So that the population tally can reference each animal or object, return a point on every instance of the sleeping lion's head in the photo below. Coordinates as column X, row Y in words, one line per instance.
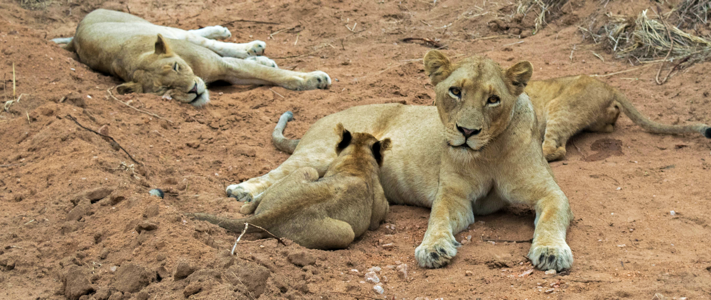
column 165, row 73
column 475, row 97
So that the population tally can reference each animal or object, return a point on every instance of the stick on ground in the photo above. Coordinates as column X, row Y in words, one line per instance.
column 137, row 109
column 113, row 142
column 246, row 225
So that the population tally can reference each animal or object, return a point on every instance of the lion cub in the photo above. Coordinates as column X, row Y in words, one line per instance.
column 328, row 212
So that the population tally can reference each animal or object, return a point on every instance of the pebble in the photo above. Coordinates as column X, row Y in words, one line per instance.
column 673, row 213
column 469, row 273
column 375, row 269
column 371, row 277
column 551, row 272
column 157, row 192
column 402, row 271
column 378, row 289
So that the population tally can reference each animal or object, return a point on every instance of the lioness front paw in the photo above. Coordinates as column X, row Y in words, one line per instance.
column 256, row 48
column 263, row 60
column 547, row 257
column 310, row 81
column 437, row 254
column 238, row 192
column 218, row 32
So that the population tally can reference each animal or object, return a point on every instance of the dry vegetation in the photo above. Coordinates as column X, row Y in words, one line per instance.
column 542, row 9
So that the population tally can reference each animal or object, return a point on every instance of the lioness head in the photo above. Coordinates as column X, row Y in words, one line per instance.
column 165, row 73
column 359, row 144
column 475, row 97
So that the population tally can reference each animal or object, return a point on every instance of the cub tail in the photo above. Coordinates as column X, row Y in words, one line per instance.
column 655, row 127
column 278, row 139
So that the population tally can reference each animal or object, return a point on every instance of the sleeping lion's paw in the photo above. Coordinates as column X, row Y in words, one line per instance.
column 263, row 60
column 256, row 48
column 556, row 255
column 309, row 81
column 436, row 254
column 238, row 192
column 218, row 33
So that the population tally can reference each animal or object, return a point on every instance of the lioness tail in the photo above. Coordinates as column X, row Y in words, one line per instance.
column 655, row 127
column 278, row 139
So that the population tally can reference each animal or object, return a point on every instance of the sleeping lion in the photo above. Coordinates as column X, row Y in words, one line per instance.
column 176, row 63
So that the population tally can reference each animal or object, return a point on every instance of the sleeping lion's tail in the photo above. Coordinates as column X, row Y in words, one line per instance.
column 278, row 139
column 68, row 43
column 655, row 127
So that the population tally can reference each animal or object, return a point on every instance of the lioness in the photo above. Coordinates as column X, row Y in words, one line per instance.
column 475, row 152
column 567, row 105
column 173, row 62
column 326, row 213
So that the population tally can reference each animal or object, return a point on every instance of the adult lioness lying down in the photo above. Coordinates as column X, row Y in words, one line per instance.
column 173, row 62
column 475, row 152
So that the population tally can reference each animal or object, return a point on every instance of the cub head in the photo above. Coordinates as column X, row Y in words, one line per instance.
column 475, row 98
column 358, row 145
column 165, row 73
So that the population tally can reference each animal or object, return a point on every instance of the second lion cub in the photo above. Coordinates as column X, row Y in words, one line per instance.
column 325, row 213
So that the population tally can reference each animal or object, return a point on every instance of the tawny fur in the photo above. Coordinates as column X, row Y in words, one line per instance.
column 568, row 105
column 326, row 213
column 432, row 164
column 173, row 62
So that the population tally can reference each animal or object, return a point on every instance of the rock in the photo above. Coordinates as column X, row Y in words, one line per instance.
column 157, row 192
column 151, row 211
column 131, row 278
column 183, row 270
column 468, row 273
column 82, row 209
column 371, row 277
column 378, row 289
column 192, row 289
column 76, row 283
column 116, row 199
column 550, row 272
column 375, row 269
column 252, row 275
column 146, row 226
column 98, row 193
column 402, row 271
column 301, row 258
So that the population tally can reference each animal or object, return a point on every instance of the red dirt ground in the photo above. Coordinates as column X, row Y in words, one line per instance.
column 77, row 218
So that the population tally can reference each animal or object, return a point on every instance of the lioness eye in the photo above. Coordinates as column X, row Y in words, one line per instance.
column 455, row 91
column 493, row 99
column 176, row 67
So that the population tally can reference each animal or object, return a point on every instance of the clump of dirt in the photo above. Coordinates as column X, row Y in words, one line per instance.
column 78, row 220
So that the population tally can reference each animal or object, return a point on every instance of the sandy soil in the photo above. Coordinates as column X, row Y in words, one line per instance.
column 77, row 218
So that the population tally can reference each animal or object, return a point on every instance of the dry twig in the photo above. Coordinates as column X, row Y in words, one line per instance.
column 431, row 42
column 507, row 241
column 250, row 21
column 136, row 109
column 112, row 140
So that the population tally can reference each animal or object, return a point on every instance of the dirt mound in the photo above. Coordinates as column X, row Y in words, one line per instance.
column 78, row 220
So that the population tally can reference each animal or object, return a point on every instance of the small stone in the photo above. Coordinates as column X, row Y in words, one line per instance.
column 98, row 193
column 131, row 278
column 301, row 258
column 378, row 289
column 551, row 272
column 402, row 271
column 673, row 213
column 192, row 289
column 469, row 273
column 82, row 209
column 76, row 283
column 160, row 257
column 371, row 277
column 157, row 192
column 548, row 291
column 388, row 246
column 375, row 269
column 146, row 226
column 184, row 269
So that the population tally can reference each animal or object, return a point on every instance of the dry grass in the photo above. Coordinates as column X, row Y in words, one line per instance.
column 542, row 8
column 692, row 14
column 35, row 4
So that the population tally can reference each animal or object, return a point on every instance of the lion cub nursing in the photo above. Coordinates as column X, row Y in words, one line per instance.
column 325, row 213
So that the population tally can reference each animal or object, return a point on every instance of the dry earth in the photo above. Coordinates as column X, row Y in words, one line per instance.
column 77, row 218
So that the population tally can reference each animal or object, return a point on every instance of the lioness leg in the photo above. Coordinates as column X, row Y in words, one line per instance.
column 216, row 32
column 326, row 233
column 224, row 49
column 240, row 71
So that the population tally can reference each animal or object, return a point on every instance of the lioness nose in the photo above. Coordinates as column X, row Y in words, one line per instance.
column 468, row 132
column 194, row 90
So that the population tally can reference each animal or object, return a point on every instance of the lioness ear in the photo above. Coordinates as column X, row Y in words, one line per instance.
column 437, row 66
column 162, row 46
column 129, row 87
column 518, row 76
column 344, row 140
column 379, row 149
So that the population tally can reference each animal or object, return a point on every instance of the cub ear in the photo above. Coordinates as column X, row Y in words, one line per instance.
column 129, row 87
column 379, row 149
column 162, row 46
column 437, row 66
column 517, row 77
column 344, row 138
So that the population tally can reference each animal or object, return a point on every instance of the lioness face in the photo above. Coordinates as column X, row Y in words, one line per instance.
column 167, row 74
column 475, row 98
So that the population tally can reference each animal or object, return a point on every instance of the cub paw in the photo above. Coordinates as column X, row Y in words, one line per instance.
column 256, row 48
column 552, row 153
column 263, row 60
column 437, row 254
column 546, row 257
column 239, row 193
